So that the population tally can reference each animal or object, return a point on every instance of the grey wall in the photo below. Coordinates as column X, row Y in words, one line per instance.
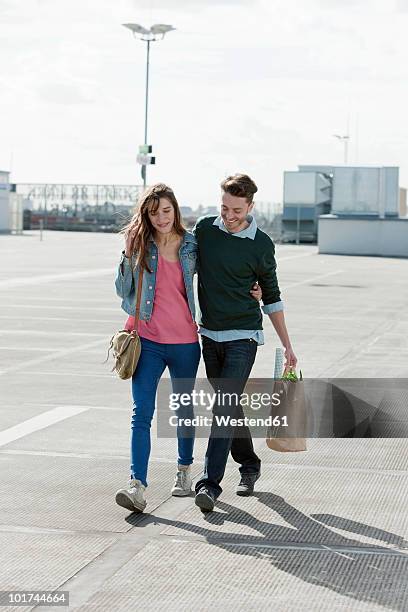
column 345, row 236
column 4, row 202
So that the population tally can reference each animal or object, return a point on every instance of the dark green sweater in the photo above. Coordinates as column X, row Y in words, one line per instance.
column 228, row 266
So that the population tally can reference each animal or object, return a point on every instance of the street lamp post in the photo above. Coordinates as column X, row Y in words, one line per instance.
column 156, row 32
column 147, row 88
column 345, row 139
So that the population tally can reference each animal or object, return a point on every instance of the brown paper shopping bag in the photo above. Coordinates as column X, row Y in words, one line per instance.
column 292, row 438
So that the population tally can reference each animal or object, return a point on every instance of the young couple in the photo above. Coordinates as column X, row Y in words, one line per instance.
column 232, row 256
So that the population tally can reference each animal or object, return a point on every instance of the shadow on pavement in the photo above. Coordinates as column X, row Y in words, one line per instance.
column 310, row 550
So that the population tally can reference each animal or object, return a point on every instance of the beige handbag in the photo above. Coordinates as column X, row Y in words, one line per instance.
column 126, row 344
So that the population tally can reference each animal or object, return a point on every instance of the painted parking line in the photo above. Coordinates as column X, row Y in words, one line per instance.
column 41, row 332
column 279, row 259
column 77, row 307
column 90, row 407
column 49, row 349
column 36, row 349
column 54, row 278
column 53, row 454
column 50, row 373
column 53, row 356
column 39, row 422
column 310, row 280
column 17, row 317
column 64, row 299
column 94, row 456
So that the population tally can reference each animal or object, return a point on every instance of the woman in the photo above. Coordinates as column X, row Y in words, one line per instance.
column 157, row 244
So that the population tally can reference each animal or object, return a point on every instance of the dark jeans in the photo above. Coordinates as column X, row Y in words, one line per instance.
column 231, row 363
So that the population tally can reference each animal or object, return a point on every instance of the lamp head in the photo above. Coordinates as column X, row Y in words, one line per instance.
column 161, row 28
column 156, row 32
column 136, row 28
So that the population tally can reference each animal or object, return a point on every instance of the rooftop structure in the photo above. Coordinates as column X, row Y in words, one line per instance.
column 345, row 191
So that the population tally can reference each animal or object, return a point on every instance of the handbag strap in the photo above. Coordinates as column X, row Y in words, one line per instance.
column 138, row 298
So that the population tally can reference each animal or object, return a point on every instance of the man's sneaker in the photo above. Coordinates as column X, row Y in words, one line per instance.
column 182, row 481
column 205, row 500
column 132, row 498
column 246, row 484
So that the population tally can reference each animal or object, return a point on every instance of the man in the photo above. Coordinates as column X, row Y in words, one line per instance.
column 237, row 255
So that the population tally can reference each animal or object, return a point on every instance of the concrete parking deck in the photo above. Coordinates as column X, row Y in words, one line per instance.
column 326, row 529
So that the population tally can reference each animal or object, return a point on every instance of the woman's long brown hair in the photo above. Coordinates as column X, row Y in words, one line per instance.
column 140, row 226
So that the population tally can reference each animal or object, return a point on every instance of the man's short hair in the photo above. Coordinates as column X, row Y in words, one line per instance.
column 241, row 186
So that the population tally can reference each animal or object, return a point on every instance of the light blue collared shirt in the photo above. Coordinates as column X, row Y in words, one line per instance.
column 241, row 334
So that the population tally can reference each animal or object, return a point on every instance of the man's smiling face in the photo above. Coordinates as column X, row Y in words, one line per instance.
column 234, row 211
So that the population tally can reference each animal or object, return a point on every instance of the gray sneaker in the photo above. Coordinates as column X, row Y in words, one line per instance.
column 205, row 500
column 182, row 481
column 246, row 484
column 132, row 498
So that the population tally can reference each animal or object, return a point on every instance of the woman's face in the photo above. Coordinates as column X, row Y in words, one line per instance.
column 163, row 218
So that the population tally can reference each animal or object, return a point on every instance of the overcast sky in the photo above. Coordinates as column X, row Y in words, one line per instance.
column 256, row 86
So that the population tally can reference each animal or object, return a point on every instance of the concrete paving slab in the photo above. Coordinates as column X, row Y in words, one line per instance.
column 110, row 434
column 10, row 416
column 110, row 427
column 194, row 575
column 300, row 506
column 350, row 455
column 43, row 561
column 327, row 528
column 64, row 390
column 72, row 493
column 42, row 339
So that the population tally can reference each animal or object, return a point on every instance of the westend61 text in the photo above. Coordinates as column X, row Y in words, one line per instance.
column 227, row 421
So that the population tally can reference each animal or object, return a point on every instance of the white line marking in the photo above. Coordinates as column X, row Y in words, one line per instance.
column 86, row 406
column 329, row 548
column 52, row 357
column 52, row 278
column 403, row 473
column 107, row 365
column 86, row 456
column 52, row 454
column 90, row 407
column 39, row 422
column 74, row 374
column 37, row 332
column 309, row 280
column 27, row 348
column 42, row 350
column 17, row 317
column 42, row 307
column 357, row 550
column 279, row 259
column 357, row 351
column 62, row 299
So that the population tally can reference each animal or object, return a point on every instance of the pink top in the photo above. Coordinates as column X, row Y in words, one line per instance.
column 171, row 321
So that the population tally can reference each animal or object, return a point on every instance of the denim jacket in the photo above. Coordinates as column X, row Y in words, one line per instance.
column 126, row 281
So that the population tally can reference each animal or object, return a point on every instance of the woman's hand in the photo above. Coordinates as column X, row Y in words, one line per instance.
column 256, row 292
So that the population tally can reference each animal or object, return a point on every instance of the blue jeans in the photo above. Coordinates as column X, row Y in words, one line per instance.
column 182, row 361
column 228, row 366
